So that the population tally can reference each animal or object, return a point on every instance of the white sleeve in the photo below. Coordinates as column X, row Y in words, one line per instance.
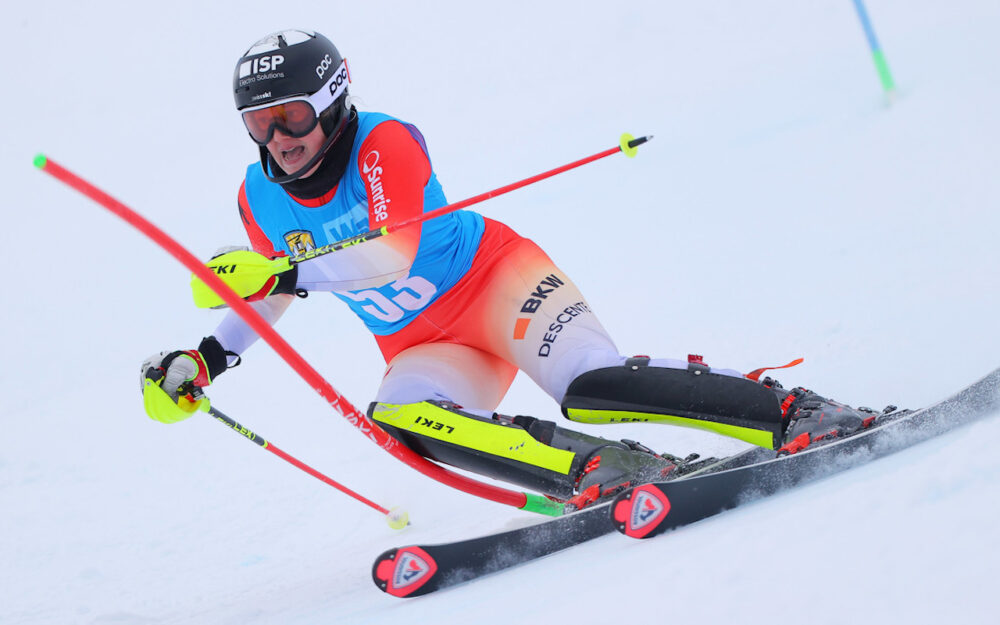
column 236, row 336
column 366, row 266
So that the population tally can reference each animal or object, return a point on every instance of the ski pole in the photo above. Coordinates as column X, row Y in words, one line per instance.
column 521, row 500
column 628, row 145
column 881, row 65
column 271, row 447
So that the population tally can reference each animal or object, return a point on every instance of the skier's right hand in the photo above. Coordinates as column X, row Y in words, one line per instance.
column 171, row 382
column 253, row 276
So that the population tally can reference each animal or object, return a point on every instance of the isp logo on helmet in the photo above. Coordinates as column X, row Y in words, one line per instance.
column 260, row 65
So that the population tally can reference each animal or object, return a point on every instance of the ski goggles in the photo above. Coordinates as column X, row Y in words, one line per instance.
column 297, row 116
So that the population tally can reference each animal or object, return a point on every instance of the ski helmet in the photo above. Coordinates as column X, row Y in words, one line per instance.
column 292, row 80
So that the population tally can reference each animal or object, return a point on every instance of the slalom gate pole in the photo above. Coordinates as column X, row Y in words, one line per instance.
column 628, row 145
column 271, row 447
column 525, row 501
column 881, row 65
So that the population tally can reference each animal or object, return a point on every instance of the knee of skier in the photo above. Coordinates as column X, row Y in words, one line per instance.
column 405, row 388
column 566, row 366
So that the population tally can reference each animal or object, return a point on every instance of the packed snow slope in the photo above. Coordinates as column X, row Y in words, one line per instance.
column 784, row 209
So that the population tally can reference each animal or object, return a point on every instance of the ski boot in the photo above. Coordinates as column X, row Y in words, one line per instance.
column 613, row 469
column 811, row 418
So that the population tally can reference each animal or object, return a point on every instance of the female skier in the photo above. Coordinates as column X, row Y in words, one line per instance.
column 457, row 304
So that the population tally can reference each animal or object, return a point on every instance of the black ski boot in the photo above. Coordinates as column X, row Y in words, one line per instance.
column 613, row 469
column 810, row 417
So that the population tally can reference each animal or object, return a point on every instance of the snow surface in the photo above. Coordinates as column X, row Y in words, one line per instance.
column 784, row 209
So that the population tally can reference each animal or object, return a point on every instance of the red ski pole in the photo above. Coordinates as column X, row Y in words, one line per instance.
column 628, row 145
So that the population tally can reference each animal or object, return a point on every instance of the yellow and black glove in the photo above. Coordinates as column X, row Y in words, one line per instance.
column 253, row 276
column 172, row 382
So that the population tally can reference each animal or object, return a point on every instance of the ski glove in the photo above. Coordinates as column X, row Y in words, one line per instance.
column 171, row 382
column 253, row 276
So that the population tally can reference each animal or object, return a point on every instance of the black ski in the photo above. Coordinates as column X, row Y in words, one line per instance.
column 417, row 570
column 420, row 569
column 652, row 509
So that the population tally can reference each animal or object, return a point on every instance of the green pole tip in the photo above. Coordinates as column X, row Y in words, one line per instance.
column 40, row 161
column 542, row 505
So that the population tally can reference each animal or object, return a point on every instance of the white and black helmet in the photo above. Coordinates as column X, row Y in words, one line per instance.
column 292, row 80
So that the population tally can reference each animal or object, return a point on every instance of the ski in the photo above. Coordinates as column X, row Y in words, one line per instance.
column 653, row 509
column 417, row 570
column 420, row 569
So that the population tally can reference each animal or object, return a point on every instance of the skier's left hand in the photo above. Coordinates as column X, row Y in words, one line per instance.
column 171, row 382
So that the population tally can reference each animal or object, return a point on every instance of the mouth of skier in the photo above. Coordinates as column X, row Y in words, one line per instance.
column 293, row 155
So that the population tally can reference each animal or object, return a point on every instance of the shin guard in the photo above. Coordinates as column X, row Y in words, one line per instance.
column 727, row 405
column 502, row 450
column 522, row 450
